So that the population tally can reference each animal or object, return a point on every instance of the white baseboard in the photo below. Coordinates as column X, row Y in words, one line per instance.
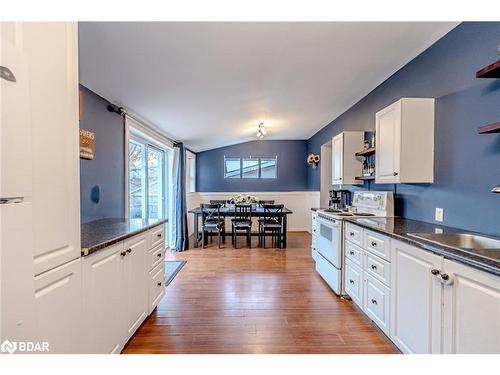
column 300, row 202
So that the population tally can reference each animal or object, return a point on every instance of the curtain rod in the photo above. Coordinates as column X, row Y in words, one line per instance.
column 123, row 112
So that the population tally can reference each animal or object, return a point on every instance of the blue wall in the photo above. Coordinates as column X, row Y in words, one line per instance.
column 467, row 165
column 292, row 167
column 106, row 170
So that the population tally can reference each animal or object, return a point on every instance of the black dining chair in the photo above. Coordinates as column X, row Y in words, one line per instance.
column 222, row 203
column 272, row 225
column 242, row 221
column 261, row 204
column 211, row 221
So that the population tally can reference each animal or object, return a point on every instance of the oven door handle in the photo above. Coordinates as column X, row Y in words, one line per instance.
column 328, row 223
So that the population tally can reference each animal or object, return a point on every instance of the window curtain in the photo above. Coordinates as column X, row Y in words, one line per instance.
column 180, row 224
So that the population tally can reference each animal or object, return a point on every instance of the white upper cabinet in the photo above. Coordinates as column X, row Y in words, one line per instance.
column 15, row 117
column 405, row 142
column 345, row 165
column 471, row 310
column 51, row 50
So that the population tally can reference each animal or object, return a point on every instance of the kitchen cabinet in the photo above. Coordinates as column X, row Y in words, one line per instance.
column 53, row 88
column 102, row 278
column 471, row 310
column 58, row 304
column 376, row 302
column 354, row 282
column 416, row 306
column 134, row 284
column 345, row 165
column 404, row 134
column 314, row 239
column 123, row 283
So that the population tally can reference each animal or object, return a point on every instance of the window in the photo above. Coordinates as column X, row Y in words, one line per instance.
column 250, row 168
column 268, row 168
column 147, row 180
column 190, row 172
column 232, row 168
column 263, row 168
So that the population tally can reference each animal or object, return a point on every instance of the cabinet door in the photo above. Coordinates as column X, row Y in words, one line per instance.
column 353, row 281
column 415, row 299
column 471, row 311
column 134, row 283
column 15, row 120
column 102, row 279
column 337, row 153
column 388, row 141
column 54, row 107
column 58, row 306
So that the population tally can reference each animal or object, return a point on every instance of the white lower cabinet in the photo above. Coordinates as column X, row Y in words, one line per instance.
column 376, row 302
column 471, row 310
column 354, row 282
column 423, row 302
column 156, row 286
column 121, row 290
column 58, row 306
column 415, row 299
column 102, row 277
column 135, row 290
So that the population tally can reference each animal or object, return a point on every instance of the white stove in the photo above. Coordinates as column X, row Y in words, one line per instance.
column 330, row 233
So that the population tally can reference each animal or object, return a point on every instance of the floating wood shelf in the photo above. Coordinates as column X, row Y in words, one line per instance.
column 490, row 71
column 368, row 151
column 365, row 178
column 491, row 128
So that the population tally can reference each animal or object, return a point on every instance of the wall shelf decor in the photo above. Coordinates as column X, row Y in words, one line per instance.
column 365, row 178
column 367, row 152
column 490, row 128
column 490, row 71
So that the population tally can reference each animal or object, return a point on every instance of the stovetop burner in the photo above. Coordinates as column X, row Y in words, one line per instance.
column 333, row 210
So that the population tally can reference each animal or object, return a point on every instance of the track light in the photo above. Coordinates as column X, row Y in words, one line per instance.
column 261, row 131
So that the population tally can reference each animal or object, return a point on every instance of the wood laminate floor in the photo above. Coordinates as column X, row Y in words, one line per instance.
column 254, row 301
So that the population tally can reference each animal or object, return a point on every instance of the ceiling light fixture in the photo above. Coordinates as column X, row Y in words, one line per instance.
column 261, row 132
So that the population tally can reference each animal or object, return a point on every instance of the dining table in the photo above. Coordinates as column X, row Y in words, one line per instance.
column 228, row 211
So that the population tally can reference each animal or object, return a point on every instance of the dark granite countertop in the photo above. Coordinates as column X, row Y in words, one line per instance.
column 101, row 233
column 400, row 229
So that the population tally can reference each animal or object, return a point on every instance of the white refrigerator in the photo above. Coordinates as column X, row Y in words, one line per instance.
column 16, row 214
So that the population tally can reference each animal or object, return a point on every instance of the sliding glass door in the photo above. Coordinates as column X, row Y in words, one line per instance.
column 147, row 180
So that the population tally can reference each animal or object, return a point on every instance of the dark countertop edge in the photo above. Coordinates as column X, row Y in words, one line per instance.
column 90, row 250
column 447, row 252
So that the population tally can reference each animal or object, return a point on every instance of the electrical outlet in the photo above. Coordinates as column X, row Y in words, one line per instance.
column 439, row 214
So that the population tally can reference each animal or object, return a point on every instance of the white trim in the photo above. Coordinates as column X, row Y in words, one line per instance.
column 231, row 193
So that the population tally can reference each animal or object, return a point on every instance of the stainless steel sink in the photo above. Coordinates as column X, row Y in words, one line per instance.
column 472, row 243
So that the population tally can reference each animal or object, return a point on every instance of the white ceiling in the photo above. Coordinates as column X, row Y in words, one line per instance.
column 210, row 84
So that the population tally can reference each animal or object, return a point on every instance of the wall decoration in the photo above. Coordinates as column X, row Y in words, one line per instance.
column 87, row 144
column 313, row 159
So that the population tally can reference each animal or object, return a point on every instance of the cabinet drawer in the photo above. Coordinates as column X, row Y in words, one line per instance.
column 354, row 253
column 376, row 304
column 354, row 282
column 156, row 286
column 354, row 234
column 378, row 244
column 378, row 268
column 157, row 255
column 157, row 235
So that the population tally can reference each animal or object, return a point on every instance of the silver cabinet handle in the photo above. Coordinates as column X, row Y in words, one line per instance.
column 158, row 255
column 129, row 250
column 158, row 235
column 123, row 253
column 395, row 173
column 351, row 252
column 374, row 243
column 351, row 281
column 159, row 284
column 374, row 267
column 374, row 301
column 351, row 234
column 435, row 272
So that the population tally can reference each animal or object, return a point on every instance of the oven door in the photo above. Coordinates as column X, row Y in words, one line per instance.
column 328, row 241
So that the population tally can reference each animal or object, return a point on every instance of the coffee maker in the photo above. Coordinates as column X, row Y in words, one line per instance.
column 339, row 199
